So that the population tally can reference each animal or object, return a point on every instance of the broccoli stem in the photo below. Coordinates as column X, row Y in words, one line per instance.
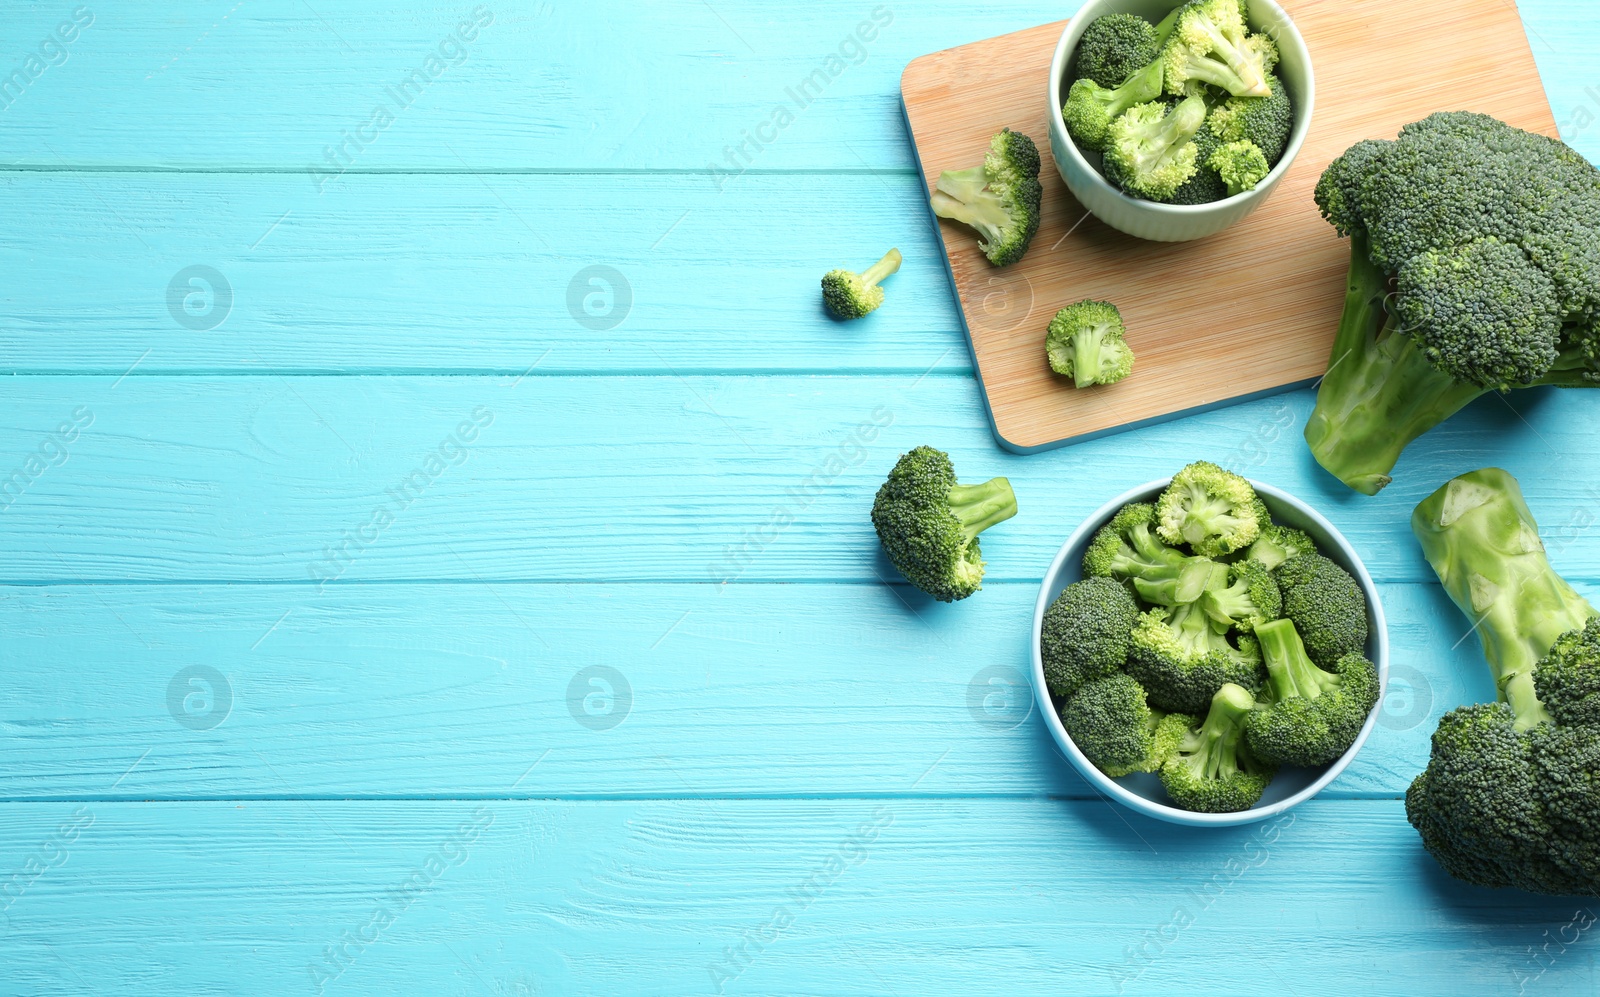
column 979, row 507
column 1087, row 347
column 1212, row 751
column 1379, row 393
column 881, row 269
column 1289, row 668
column 1167, row 26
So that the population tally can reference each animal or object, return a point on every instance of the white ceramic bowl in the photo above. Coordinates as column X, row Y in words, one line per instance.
column 1149, row 219
column 1142, row 791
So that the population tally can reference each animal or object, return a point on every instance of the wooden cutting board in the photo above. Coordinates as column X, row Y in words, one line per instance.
column 1247, row 312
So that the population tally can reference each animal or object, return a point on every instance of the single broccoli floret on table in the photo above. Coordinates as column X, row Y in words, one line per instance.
column 1510, row 795
column 1483, row 241
column 1250, row 599
column 1212, row 44
column 1085, row 342
column 1277, row 544
column 1181, row 659
column 1114, row 47
column 1091, row 109
column 1240, row 166
column 1213, row 770
column 1212, row 510
column 1150, row 151
column 1084, row 634
column 1127, row 547
column 1110, row 722
column 1000, row 199
column 1265, row 121
column 1326, row 605
column 852, row 295
column 928, row 523
column 1311, row 716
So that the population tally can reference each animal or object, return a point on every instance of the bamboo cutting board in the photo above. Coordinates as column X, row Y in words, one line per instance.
column 1247, row 312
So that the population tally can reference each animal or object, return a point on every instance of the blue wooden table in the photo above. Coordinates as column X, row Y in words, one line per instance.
column 435, row 550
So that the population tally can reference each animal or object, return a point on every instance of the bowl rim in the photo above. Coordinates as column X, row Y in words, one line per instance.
column 1058, row 128
column 1378, row 641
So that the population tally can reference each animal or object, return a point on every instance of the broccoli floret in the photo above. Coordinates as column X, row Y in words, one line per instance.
column 1312, row 716
column 999, row 199
column 1250, row 599
column 929, row 524
column 852, row 295
column 1326, row 605
column 1266, row 121
column 1110, row 722
column 1091, row 109
column 1084, row 634
column 1182, row 583
column 1240, row 165
column 1149, row 152
column 1490, row 236
column 1212, row 45
column 1277, row 544
column 1212, row 510
column 1085, row 342
column 1116, row 46
column 1127, row 547
column 1205, row 186
column 1213, row 770
column 1509, row 797
column 1181, row 660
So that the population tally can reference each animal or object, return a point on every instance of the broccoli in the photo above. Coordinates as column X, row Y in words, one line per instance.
column 1487, row 240
column 1114, row 47
column 1250, row 599
column 1091, row 109
column 1110, row 722
column 1205, row 186
column 1240, row 166
column 929, row 524
column 1277, row 544
column 852, row 295
column 1181, row 660
column 1266, row 121
column 1312, row 716
column 1084, row 634
column 1150, row 152
column 1509, row 797
column 1181, row 583
column 1127, row 547
column 1213, row 769
column 1000, row 199
column 1085, row 343
column 1213, row 45
column 1326, row 605
column 1213, row 510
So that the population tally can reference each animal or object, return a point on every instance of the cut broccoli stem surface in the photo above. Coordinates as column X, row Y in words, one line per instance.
column 978, row 507
column 1290, row 672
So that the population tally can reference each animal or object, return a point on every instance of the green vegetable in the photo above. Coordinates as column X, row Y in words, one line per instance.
column 1486, row 239
column 1213, row 510
column 852, row 295
column 1110, row 722
column 1213, row 770
column 1212, row 44
column 1250, row 599
column 1277, row 544
column 1085, row 342
column 1084, row 634
column 1240, row 166
column 1114, row 47
column 1326, row 605
column 1150, row 150
column 929, row 524
column 1127, row 547
column 1266, row 121
column 1205, row 186
column 1091, row 109
column 999, row 199
column 1181, row 660
column 1313, row 716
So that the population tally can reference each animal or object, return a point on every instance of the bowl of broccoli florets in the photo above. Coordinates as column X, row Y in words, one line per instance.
column 1208, row 649
column 1170, row 122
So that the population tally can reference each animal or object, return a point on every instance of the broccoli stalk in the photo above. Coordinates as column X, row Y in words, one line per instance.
column 1213, row 771
column 929, row 524
column 852, row 295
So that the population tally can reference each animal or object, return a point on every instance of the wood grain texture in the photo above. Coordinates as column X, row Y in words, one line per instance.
column 1260, row 300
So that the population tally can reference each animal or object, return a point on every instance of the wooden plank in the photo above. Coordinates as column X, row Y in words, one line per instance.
column 679, row 897
column 1259, row 301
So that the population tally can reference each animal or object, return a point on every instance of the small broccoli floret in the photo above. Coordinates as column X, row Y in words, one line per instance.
column 1212, row 510
column 1266, row 121
column 1312, row 716
column 1085, row 342
column 852, row 295
column 1110, row 722
column 1181, row 660
column 1240, row 165
column 1127, row 547
column 999, row 199
column 1326, row 605
column 1568, row 678
column 1084, row 634
column 929, row 524
column 1116, row 46
column 1213, row 770
column 1205, row 186
column 1091, row 109
column 1277, row 544
column 1150, row 151
column 1213, row 45
column 1250, row 599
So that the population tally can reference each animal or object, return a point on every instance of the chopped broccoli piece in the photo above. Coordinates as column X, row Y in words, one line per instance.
column 1150, row 151
column 1085, row 342
column 1181, row 660
column 1114, row 47
column 1110, row 722
column 852, row 295
column 1568, row 677
column 1182, row 583
column 1212, row 510
column 929, row 524
column 1127, row 547
column 1205, row 186
column 999, row 199
column 1277, row 544
column 1250, row 599
column 1084, row 634
column 1091, row 109
column 1312, row 716
column 1240, row 165
column 1326, row 605
column 1266, row 121
column 1213, row 770
column 1212, row 45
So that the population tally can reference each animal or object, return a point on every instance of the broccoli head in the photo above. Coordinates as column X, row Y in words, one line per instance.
column 1213, row 769
column 852, row 295
column 1212, row 510
column 1091, row 108
column 999, row 199
column 1240, row 165
column 1277, row 544
column 1250, row 599
column 1326, row 605
column 1212, row 44
column 1084, row 634
column 1266, row 121
column 1567, row 680
column 1150, row 151
column 1127, row 547
column 1205, row 186
column 1085, row 342
column 1110, row 722
column 929, row 524
column 1181, row 660
column 1312, row 716
column 1114, row 47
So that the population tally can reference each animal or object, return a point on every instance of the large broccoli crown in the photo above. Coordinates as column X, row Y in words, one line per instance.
column 1212, row 44
column 1250, row 599
column 1110, row 722
column 1211, row 509
column 1181, row 660
column 1213, row 770
column 1312, row 716
column 1567, row 679
column 1085, row 342
column 853, row 295
column 928, row 523
column 1266, row 121
column 1326, row 605
column 1149, row 151
column 1000, row 199
column 1114, row 47
column 1084, row 634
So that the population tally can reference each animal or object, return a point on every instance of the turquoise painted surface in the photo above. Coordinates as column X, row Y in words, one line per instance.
column 379, row 624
